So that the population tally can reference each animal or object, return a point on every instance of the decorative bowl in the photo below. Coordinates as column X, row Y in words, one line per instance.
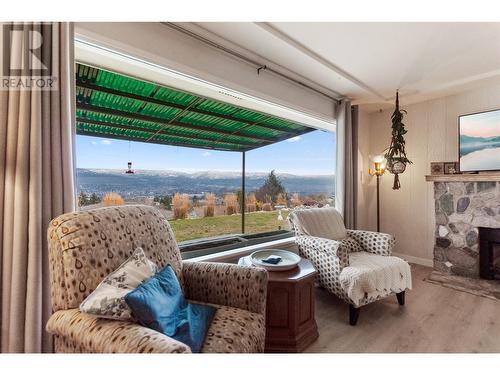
column 289, row 260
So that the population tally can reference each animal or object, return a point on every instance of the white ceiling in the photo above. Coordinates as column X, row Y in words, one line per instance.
column 369, row 61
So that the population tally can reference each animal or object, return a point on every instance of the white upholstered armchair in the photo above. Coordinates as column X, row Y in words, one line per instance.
column 357, row 266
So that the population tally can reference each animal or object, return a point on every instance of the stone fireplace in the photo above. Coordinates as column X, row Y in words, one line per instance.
column 463, row 205
column 489, row 253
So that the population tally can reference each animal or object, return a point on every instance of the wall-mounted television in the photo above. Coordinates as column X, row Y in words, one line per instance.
column 479, row 144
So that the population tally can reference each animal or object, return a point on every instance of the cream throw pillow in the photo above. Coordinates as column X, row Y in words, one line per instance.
column 108, row 299
column 323, row 222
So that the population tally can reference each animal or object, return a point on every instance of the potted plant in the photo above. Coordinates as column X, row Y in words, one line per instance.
column 396, row 153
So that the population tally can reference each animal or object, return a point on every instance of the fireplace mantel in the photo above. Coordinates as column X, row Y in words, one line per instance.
column 463, row 177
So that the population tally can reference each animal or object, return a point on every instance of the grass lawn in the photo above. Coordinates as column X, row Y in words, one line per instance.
column 255, row 222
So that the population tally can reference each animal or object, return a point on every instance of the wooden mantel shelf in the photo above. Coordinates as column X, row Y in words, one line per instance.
column 464, row 177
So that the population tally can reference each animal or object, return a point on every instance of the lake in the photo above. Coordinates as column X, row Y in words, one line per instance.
column 486, row 159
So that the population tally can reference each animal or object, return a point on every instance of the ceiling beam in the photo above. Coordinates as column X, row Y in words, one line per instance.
column 320, row 59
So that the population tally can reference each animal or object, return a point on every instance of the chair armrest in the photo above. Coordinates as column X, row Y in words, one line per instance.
column 373, row 242
column 226, row 284
column 324, row 245
column 97, row 335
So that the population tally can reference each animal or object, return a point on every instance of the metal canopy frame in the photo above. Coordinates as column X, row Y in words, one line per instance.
column 112, row 105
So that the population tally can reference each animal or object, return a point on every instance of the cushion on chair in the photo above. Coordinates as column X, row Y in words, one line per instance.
column 159, row 304
column 320, row 222
column 75, row 331
column 108, row 299
column 370, row 275
column 235, row 330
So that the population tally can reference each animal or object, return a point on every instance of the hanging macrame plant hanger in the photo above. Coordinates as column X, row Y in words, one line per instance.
column 396, row 153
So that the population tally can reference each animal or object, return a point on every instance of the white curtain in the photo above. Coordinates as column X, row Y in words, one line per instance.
column 346, row 171
column 37, row 177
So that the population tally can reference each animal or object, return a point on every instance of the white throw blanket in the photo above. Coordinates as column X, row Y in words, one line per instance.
column 373, row 275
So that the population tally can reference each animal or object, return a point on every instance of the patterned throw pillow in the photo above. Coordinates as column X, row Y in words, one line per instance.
column 108, row 299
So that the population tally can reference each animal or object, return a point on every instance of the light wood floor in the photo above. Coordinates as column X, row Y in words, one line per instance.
column 434, row 319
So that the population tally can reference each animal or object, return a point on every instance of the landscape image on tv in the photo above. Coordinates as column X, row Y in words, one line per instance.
column 480, row 141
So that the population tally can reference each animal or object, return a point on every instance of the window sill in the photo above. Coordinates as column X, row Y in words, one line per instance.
column 233, row 254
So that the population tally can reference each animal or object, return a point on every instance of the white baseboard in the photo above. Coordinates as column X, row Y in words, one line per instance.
column 416, row 260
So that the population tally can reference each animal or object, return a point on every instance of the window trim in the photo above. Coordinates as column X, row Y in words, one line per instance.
column 231, row 255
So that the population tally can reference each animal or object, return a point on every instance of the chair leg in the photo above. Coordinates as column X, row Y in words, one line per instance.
column 353, row 315
column 401, row 298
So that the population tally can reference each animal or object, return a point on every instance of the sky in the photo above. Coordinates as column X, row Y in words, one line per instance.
column 485, row 124
column 308, row 154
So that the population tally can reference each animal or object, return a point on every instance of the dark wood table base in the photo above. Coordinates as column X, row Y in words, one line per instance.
column 290, row 322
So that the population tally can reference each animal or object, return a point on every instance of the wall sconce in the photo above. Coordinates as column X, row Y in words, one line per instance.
column 379, row 163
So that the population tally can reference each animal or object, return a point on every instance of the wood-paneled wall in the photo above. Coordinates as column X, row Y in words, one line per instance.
column 432, row 136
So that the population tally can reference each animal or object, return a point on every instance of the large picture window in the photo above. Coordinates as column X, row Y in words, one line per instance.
column 220, row 174
column 199, row 191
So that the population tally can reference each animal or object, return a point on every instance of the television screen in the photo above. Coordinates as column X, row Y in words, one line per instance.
column 480, row 141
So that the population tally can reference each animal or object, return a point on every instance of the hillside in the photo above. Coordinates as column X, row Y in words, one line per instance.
column 148, row 183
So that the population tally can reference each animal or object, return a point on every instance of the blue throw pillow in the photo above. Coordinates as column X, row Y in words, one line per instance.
column 159, row 304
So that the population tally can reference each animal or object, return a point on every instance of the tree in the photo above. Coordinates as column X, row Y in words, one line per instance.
column 166, row 201
column 83, row 199
column 94, row 199
column 271, row 188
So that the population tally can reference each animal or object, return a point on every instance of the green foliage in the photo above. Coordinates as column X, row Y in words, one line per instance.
column 396, row 151
column 271, row 188
column 94, row 199
column 85, row 200
column 165, row 201
column 82, row 199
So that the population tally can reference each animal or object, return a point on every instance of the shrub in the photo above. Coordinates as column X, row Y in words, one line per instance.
column 231, row 203
column 267, row 207
column 209, row 208
column 251, row 205
column 180, row 202
column 281, row 200
column 296, row 200
column 112, row 199
column 309, row 202
column 258, row 206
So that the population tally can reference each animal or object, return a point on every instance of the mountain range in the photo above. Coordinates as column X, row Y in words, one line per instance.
column 470, row 144
column 166, row 182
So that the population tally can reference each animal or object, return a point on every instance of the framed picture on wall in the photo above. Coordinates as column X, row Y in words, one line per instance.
column 437, row 168
column 479, row 141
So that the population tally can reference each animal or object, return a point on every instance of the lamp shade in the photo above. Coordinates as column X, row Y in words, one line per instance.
column 377, row 158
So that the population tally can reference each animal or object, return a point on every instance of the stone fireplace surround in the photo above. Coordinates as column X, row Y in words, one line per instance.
column 463, row 203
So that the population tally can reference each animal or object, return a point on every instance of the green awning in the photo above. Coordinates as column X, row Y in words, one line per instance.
column 112, row 105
